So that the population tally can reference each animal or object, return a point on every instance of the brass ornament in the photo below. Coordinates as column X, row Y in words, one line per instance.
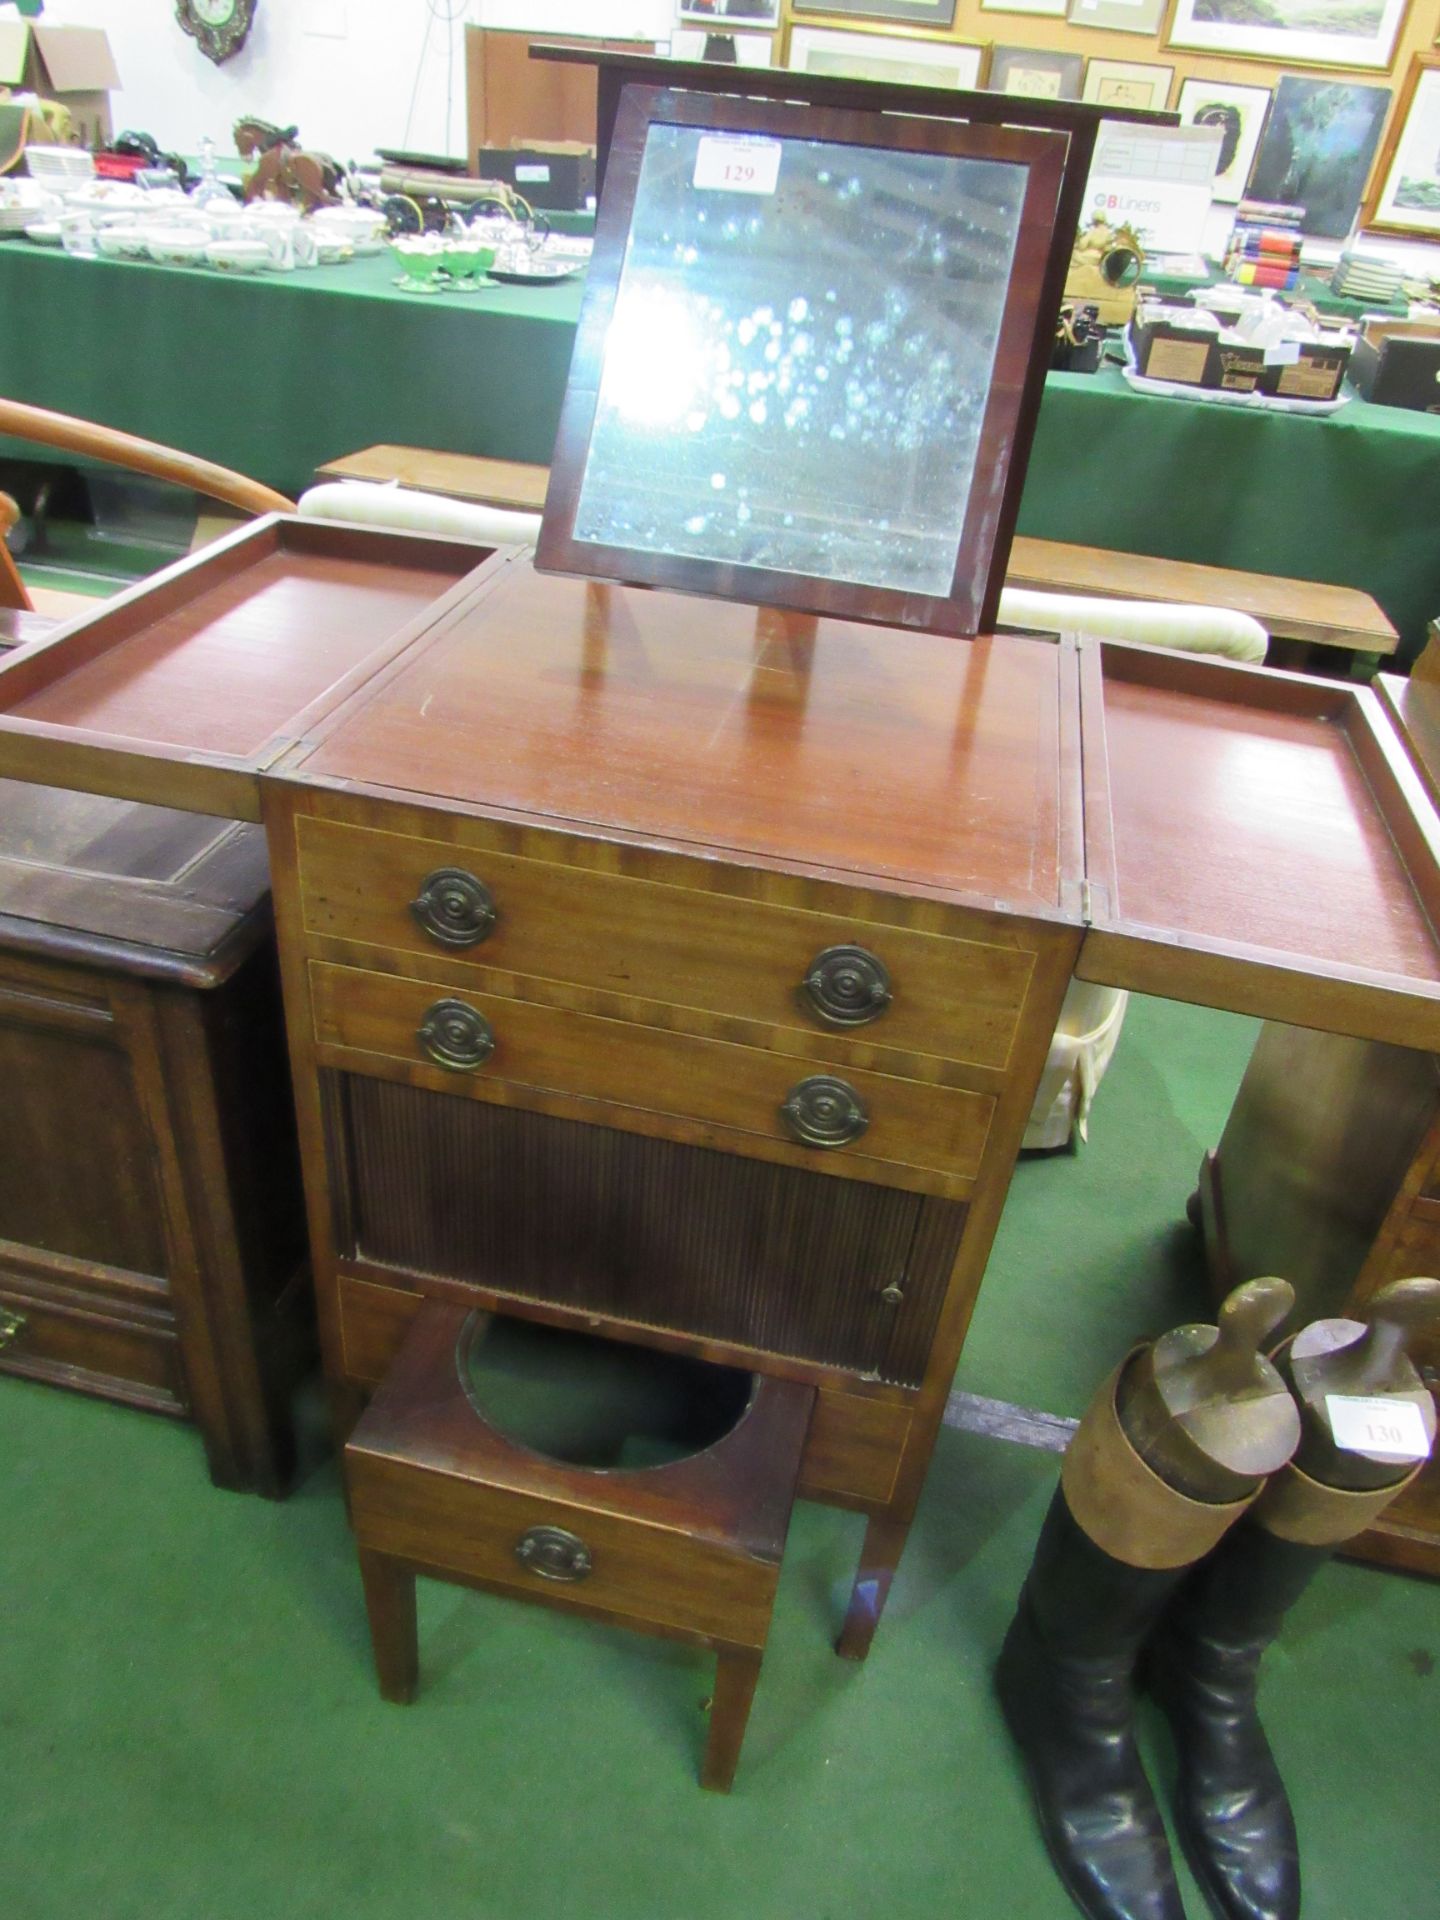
column 1105, row 270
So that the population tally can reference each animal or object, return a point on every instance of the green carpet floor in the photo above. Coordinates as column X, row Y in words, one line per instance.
column 189, row 1727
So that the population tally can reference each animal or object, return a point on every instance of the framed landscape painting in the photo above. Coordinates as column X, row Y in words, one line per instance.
column 909, row 13
column 883, row 56
column 1316, row 150
column 1307, row 33
column 1406, row 195
column 1239, row 112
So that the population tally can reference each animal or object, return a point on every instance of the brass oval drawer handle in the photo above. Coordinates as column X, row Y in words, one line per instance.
column 847, row 986
column 12, row 1325
column 455, row 908
column 456, row 1036
column 892, row 1295
column 554, row 1554
column 824, row 1112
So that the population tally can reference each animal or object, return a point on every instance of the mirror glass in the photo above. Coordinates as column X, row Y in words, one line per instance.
column 796, row 370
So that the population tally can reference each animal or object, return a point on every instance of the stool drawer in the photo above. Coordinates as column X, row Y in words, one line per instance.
column 634, row 1573
column 471, row 1041
column 956, row 999
column 690, row 1549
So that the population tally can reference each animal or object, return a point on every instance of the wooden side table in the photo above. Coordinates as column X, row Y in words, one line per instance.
column 151, row 1230
column 688, row 1550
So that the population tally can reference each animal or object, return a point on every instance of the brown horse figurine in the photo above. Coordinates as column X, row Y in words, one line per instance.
column 284, row 170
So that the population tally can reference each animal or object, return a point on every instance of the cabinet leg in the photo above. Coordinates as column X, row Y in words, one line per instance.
column 736, row 1672
column 390, row 1605
column 884, row 1543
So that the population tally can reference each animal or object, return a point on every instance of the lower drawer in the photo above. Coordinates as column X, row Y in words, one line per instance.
column 513, row 1045
column 100, row 1341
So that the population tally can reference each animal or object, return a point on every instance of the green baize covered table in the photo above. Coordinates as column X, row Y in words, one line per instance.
column 277, row 374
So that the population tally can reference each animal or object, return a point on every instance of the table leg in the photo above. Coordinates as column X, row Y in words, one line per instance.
column 390, row 1605
column 736, row 1671
column 884, row 1543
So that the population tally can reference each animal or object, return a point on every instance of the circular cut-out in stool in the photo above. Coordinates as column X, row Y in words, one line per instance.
column 589, row 1402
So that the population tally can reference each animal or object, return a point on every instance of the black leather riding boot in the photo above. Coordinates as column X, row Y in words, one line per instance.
column 1203, row 1667
column 1115, row 1543
column 1066, row 1684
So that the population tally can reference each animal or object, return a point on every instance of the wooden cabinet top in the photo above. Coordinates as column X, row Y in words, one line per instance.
column 905, row 761
column 1224, row 834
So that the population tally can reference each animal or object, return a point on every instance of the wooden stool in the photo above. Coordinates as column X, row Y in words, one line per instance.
column 689, row 1550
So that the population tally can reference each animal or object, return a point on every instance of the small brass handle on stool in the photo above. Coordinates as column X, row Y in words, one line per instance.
column 456, row 1036
column 824, row 1112
column 554, row 1554
column 12, row 1325
column 455, row 908
column 847, row 986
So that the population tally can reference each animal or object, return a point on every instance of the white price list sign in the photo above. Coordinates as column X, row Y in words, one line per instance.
column 736, row 164
column 1363, row 1423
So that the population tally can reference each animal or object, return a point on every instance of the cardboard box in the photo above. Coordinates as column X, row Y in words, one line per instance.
column 1193, row 347
column 1190, row 348
column 1396, row 363
column 556, row 176
column 1316, row 372
column 73, row 65
column 1172, row 343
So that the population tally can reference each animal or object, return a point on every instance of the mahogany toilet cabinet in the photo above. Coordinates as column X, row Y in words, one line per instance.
column 684, row 971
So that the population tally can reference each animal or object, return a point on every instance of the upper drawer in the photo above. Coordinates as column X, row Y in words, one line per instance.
column 929, row 994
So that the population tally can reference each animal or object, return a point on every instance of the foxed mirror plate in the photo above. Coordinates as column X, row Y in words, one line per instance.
column 802, row 352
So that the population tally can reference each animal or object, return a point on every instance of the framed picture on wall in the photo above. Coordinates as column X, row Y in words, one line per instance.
column 1239, row 112
column 1127, row 83
column 1316, row 150
column 882, row 56
column 1054, row 8
column 741, row 13
column 1119, row 16
column 1294, row 32
column 1035, row 73
column 910, row 13
column 1406, row 195
column 732, row 49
